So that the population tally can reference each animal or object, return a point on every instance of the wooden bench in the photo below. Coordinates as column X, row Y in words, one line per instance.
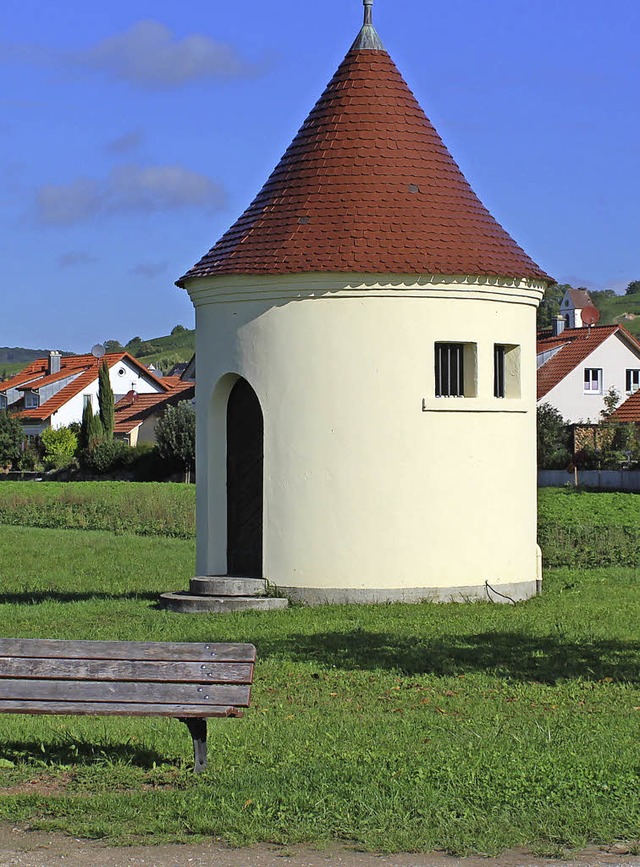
column 190, row 682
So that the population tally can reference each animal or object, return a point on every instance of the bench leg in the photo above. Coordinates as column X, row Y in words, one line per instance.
column 198, row 730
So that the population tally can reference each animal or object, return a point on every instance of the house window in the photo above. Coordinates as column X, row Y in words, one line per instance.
column 455, row 369
column 506, row 370
column 86, row 401
column 593, row 380
column 633, row 381
column 31, row 399
column 3, row 401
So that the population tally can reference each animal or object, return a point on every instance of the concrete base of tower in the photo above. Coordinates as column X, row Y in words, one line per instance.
column 487, row 592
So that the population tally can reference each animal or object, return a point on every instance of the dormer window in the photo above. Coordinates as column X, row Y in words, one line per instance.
column 31, row 399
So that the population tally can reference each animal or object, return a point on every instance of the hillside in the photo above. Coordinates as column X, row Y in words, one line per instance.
column 619, row 309
column 164, row 352
column 14, row 358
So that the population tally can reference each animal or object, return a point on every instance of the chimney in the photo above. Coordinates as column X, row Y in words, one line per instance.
column 557, row 326
column 54, row 361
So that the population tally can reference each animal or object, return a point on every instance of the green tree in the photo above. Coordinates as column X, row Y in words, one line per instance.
column 113, row 346
column 177, row 329
column 550, row 305
column 11, row 440
column 91, row 431
column 633, row 288
column 59, row 446
column 611, row 401
column 553, row 439
column 106, row 402
column 176, row 436
column 95, row 430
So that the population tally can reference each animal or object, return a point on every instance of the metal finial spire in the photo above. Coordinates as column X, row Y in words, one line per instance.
column 368, row 38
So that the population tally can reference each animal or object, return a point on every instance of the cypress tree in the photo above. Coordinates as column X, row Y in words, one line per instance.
column 105, row 401
column 83, row 436
column 95, row 431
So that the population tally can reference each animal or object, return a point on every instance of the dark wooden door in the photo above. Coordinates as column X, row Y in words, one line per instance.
column 245, row 453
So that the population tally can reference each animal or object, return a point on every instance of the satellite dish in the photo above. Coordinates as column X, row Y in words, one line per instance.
column 590, row 315
column 98, row 350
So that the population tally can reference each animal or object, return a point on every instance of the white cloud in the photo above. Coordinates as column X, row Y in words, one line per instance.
column 126, row 143
column 127, row 188
column 150, row 55
column 72, row 203
column 150, row 270
column 74, row 258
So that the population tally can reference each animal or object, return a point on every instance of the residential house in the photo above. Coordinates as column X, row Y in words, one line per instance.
column 53, row 391
column 578, row 366
column 136, row 415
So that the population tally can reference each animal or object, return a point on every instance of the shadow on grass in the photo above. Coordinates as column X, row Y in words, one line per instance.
column 543, row 659
column 80, row 753
column 36, row 597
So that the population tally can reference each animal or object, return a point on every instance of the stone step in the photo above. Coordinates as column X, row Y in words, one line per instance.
column 188, row 603
column 223, row 585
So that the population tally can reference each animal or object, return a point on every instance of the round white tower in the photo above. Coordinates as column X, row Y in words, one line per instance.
column 366, row 366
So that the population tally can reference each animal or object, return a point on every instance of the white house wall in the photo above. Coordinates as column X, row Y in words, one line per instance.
column 614, row 356
column 374, row 488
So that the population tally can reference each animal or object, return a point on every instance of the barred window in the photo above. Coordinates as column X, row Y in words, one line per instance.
column 449, row 365
column 499, row 353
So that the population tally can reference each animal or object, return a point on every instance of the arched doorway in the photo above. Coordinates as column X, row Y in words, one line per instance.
column 245, row 455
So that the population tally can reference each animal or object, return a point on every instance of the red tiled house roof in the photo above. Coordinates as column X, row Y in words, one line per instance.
column 367, row 186
column 85, row 368
column 132, row 410
column 629, row 410
column 36, row 370
column 576, row 344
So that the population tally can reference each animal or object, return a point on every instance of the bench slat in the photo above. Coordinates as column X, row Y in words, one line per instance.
column 137, row 693
column 90, row 708
column 131, row 650
column 124, row 670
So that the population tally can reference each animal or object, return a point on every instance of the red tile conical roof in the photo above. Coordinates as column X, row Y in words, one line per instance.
column 367, row 186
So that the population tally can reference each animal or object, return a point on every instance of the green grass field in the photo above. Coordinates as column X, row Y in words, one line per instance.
column 571, row 524
column 471, row 727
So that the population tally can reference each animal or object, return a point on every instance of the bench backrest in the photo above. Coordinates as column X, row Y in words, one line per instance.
column 137, row 678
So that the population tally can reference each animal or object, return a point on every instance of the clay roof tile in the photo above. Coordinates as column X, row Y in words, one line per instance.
column 350, row 165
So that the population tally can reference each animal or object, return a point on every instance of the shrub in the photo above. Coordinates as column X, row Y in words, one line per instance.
column 103, row 457
column 553, row 437
column 30, row 460
column 176, row 435
column 59, row 447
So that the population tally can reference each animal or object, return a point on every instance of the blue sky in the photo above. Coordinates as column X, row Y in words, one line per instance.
column 132, row 134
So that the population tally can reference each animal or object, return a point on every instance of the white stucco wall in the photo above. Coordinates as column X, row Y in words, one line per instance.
column 614, row 356
column 371, row 483
column 131, row 378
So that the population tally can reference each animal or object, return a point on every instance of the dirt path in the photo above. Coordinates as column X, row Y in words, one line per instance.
column 20, row 847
